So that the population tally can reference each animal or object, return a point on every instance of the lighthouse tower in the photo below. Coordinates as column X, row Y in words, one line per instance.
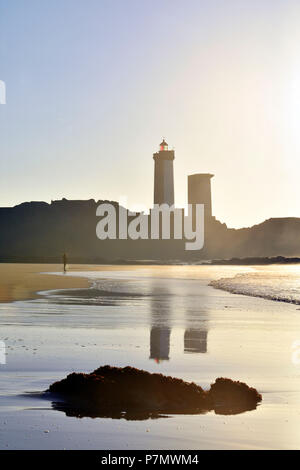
column 164, row 175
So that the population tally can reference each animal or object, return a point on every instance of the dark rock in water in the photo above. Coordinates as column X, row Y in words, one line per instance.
column 136, row 394
column 232, row 397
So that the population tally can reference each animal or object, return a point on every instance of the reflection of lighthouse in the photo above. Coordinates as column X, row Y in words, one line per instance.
column 195, row 341
column 160, row 343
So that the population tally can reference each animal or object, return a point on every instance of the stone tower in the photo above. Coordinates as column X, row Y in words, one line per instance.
column 164, row 175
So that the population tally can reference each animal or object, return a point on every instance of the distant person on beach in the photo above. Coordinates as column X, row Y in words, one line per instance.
column 65, row 262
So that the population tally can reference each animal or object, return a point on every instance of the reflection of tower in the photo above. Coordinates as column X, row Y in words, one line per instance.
column 199, row 191
column 160, row 343
column 195, row 341
column 164, row 175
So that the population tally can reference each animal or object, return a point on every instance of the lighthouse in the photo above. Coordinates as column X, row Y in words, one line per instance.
column 164, row 175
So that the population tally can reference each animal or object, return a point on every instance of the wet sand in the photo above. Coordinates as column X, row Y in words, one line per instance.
column 24, row 281
column 160, row 319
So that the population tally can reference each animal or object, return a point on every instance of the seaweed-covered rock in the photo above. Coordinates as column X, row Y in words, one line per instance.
column 137, row 394
column 127, row 389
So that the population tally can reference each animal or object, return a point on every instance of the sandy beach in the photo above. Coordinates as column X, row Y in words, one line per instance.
column 161, row 319
column 23, row 281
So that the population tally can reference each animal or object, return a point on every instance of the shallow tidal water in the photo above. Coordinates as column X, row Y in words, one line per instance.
column 161, row 319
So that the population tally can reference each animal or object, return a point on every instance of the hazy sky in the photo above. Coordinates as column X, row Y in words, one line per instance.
column 93, row 85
